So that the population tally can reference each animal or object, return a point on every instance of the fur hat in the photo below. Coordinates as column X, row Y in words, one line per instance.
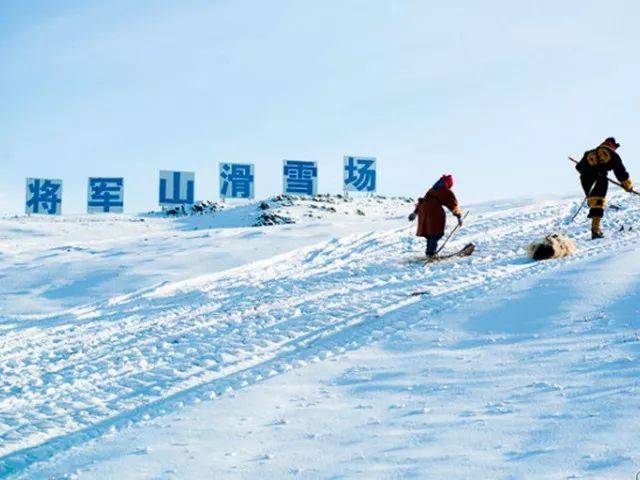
column 611, row 142
column 446, row 181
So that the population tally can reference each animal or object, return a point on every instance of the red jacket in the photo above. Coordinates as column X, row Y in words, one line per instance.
column 431, row 215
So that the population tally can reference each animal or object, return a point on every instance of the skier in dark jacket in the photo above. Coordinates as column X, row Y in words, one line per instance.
column 431, row 214
column 593, row 168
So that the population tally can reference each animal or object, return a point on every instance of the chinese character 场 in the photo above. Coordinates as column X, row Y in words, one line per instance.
column 176, row 188
column 236, row 180
column 105, row 195
column 300, row 177
column 360, row 174
column 44, row 195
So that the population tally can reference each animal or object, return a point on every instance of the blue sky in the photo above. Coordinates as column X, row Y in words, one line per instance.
column 496, row 93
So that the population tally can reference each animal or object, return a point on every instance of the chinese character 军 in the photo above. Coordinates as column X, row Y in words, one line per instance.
column 300, row 177
column 360, row 174
column 236, row 180
column 44, row 195
column 105, row 195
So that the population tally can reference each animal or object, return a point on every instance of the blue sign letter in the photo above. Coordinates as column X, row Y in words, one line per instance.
column 236, row 180
column 44, row 195
column 176, row 188
column 359, row 174
column 300, row 177
column 105, row 195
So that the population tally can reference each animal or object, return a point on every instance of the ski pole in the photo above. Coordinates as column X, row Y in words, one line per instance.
column 583, row 203
column 610, row 180
column 579, row 210
column 453, row 231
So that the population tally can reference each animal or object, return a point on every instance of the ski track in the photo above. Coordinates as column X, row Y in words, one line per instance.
column 70, row 377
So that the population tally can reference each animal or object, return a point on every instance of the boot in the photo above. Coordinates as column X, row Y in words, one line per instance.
column 596, row 231
column 432, row 247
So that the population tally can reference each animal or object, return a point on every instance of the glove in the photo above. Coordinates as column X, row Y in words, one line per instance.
column 627, row 185
column 412, row 217
column 459, row 220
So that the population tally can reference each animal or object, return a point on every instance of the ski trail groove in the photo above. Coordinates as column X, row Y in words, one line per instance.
column 69, row 377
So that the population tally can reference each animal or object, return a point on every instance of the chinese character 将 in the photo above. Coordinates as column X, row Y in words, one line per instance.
column 300, row 177
column 360, row 174
column 44, row 195
column 105, row 195
column 236, row 180
column 176, row 188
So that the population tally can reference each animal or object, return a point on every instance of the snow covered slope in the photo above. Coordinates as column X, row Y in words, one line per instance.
column 500, row 366
column 50, row 263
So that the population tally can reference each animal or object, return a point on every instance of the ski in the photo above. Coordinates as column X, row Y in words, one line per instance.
column 465, row 251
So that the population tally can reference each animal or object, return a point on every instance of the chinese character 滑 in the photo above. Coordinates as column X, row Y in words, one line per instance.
column 236, row 180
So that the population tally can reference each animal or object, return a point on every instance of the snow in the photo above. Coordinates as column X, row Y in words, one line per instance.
column 298, row 350
column 106, row 255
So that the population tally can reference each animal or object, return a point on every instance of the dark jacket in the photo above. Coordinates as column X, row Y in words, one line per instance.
column 600, row 161
column 431, row 214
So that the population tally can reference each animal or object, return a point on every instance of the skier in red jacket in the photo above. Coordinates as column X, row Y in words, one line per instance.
column 431, row 214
